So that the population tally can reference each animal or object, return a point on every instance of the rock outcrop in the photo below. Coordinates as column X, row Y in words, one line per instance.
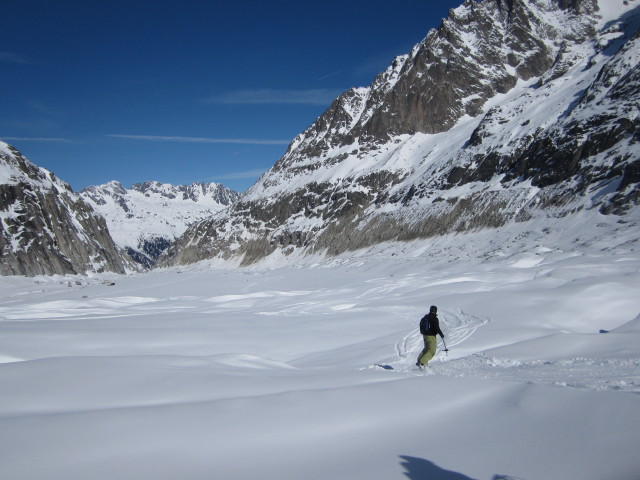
column 510, row 110
column 45, row 228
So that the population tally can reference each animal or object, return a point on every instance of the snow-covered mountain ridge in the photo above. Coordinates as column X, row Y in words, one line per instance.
column 483, row 49
column 146, row 218
column 45, row 228
column 509, row 111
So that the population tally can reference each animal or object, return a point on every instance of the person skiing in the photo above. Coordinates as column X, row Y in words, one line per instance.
column 429, row 328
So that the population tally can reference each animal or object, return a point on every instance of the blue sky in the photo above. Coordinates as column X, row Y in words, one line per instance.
column 186, row 91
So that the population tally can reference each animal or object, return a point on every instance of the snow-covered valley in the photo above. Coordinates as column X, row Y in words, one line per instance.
column 493, row 172
column 208, row 372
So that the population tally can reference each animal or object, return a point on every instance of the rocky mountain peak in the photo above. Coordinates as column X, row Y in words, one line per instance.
column 482, row 49
column 45, row 228
column 509, row 110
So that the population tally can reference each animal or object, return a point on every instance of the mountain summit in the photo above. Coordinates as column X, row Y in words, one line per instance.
column 511, row 110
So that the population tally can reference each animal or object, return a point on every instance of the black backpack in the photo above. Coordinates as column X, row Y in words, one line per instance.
column 425, row 325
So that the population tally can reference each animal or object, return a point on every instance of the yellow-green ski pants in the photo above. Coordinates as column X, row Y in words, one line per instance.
column 429, row 350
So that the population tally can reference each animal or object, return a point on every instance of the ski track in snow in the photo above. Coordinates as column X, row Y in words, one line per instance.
column 578, row 372
column 459, row 326
column 582, row 373
column 190, row 361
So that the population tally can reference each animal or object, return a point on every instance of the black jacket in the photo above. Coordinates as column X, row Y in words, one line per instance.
column 434, row 325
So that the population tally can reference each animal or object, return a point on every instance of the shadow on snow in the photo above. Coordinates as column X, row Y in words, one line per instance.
column 421, row 469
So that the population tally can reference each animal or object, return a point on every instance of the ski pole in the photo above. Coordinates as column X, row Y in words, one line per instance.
column 445, row 345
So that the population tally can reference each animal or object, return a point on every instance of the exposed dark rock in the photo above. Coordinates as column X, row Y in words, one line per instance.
column 333, row 191
column 46, row 228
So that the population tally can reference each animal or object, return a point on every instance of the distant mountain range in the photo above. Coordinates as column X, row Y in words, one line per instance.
column 46, row 228
column 510, row 110
column 145, row 219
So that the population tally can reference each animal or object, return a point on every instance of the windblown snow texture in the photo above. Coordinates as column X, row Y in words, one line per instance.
column 269, row 373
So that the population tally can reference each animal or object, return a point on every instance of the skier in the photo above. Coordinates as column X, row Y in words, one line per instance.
column 429, row 328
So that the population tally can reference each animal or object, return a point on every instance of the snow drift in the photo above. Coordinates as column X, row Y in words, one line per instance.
column 243, row 373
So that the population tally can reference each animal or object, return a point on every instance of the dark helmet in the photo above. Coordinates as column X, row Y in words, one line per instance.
column 433, row 309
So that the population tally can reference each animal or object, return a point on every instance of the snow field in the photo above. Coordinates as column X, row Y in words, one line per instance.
column 264, row 372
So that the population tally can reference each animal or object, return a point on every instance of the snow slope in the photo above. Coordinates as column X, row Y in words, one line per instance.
column 205, row 373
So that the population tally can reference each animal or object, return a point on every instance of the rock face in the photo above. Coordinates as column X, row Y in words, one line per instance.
column 47, row 229
column 482, row 49
column 510, row 110
column 145, row 219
